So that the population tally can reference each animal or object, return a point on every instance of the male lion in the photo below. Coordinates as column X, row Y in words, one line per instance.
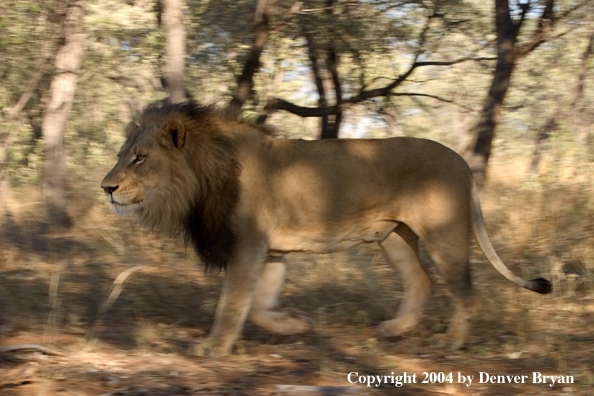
column 244, row 198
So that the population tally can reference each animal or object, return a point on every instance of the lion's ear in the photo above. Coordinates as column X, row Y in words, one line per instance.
column 131, row 127
column 176, row 131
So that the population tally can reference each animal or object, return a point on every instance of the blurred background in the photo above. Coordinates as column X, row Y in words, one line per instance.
column 507, row 84
column 516, row 85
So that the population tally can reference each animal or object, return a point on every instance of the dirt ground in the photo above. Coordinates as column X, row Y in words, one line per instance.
column 55, row 293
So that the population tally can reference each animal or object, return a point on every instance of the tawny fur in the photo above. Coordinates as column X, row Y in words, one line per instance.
column 244, row 198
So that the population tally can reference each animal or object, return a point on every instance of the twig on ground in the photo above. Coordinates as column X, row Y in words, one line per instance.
column 34, row 347
column 116, row 289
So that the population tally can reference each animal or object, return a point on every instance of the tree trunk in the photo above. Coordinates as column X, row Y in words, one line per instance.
column 542, row 137
column 245, row 82
column 62, row 89
column 312, row 51
column 484, row 131
column 176, row 51
column 508, row 52
column 333, row 123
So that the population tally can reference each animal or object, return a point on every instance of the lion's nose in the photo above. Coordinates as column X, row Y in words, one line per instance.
column 109, row 189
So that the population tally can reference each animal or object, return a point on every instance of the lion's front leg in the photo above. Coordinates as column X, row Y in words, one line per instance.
column 241, row 277
column 265, row 300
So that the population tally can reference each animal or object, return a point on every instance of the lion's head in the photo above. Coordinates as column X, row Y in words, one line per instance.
column 177, row 173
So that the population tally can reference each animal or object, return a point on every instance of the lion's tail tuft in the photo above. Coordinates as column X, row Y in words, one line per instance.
column 540, row 285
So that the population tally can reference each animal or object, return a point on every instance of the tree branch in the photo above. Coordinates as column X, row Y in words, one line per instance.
column 525, row 8
column 431, row 96
column 295, row 8
column 386, row 90
column 281, row 104
column 546, row 23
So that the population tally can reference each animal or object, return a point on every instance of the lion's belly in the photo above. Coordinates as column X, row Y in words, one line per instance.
column 318, row 240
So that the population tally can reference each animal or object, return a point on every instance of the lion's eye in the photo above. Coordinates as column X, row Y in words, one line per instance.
column 139, row 159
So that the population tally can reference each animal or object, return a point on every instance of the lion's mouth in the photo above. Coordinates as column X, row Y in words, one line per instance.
column 116, row 203
column 135, row 203
column 126, row 209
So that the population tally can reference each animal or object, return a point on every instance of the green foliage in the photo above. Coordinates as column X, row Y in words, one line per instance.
column 376, row 41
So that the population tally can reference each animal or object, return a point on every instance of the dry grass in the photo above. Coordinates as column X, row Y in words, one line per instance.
column 52, row 288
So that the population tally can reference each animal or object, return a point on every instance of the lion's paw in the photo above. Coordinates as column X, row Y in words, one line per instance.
column 446, row 341
column 207, row 349
column 300, row 321
column 290, row 321
column 396, row 327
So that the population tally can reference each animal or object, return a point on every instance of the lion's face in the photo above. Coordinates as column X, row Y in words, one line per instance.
column 151, row 175
column 131, row 179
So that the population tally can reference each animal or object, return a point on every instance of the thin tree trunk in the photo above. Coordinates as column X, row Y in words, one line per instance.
column 543, row 135
column 578, row 92
column 333, row 127
column 176, row 50
column 317, row 75
column 62, row 89
column 508, row 52
column 245, row 82
column 32, row 85
column 576, row 95
column 489, row 117
column 484, row 131
column 333, row 123
column 16, row 109
column 45, row 56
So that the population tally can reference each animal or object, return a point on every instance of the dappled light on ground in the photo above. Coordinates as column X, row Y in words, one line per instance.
column 53, row 285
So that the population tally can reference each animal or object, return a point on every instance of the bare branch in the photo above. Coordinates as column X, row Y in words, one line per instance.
column 386, row 90
column 525, row 8
column 280, row 104
column 433, row 97
column 546, row 23
column 574, row 8
column 30, row 347
column 295, row 8
column 454, row 62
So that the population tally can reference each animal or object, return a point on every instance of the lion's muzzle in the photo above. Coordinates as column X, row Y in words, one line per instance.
column 109, row 191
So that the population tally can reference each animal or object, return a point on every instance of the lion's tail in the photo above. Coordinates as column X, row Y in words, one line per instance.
column 538, row 285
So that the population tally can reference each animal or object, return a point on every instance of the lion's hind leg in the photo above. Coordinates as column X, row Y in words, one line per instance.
column 265, row 299
column 448, row 248
column 401, row 250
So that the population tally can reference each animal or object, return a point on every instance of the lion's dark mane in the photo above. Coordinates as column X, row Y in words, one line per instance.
column 207, row 225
